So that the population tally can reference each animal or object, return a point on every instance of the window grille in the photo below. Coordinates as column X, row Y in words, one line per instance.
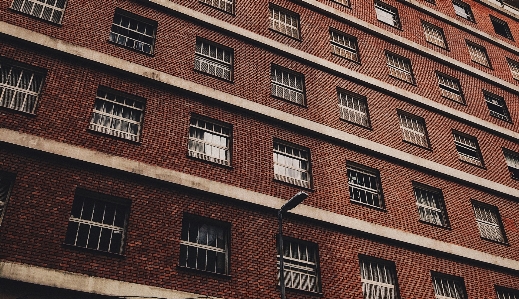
column 478, row 54
column 19, row 88
column 450, row 88
column 209, row 141
column 378, row 279
column 49, row 10
column 5, row 188
column 434, row 35
column 213, row 59
column 204, row 246
column 489, row 222
column 497, row 106
column 399, row 67
column 343, row 2
column 503, row 293
column 448, row 287
column 364, row 186
column 117, row 115
column 300, row 265
column 413, row 129
column 130, row 31
column 501, row 27
column 512, row 160
column 463, row 10
column 431, row 206
column 387, row 14
column 287, row 85
column 514, row 68
column 344, row 45
column 468, row 149
column 284, row 22
column 225, row 5
column 291, row 164
column 97, row 223
column 353, row 108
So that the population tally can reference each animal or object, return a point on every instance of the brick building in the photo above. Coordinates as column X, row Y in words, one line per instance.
column 146, row 146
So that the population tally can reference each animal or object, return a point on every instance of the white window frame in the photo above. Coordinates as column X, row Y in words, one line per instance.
column 214, row 59
column 413, row 129
column 344, row 45
column 353, row 108
column 19, row 86
column 41, row 10
column 399, row 67
column 512, row 161
column 463, row 10
column 292, row 164
column 450, row 88
column 506, row 293
column 489, row 222
column 430, row 205
column 145, row 29
column 466, row 144
column 364, row 185
column 434, row 35
column 300, row 261
column 284, row 21
column 496, row 106
column 6, row 185
column 209, row 140
column 287, row 85
column 225, row 5
column 514, row 68
column 448, row 287
column 478, row 54
column 387, row 14
column 378, row 278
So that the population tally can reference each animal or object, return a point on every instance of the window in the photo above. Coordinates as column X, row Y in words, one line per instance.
column 300, row 261
column 117, row 114
column 343, row 2
column 450, row 88
column 489, row 222
column 353, row 108
column 204, row 245
column 496, row 106
column 5, row 189
column 434, row 35
column 291, row 164
column 378, row 278
column 387, row 14
column 506, row 293
column 413, row 129
column 431, row 1
column 364, row 185
column 399, row 67
column 501, row 27
column 344, row 45
column 133, row 31
column 19, row 87
column 463, row 10
column 514, row 68
column 213, row 59
column 468, row 148
column 284, row 21
column 512, row 160
column 287, row 85
column 225, row 5
column 478, row 54
column 448, row 287
column 430, row 204
column 209, row 140
column 50, row 10
column 98, row 222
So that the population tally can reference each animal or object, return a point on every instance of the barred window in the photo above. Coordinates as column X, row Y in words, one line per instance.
column 450, row 88
column 468, row 148
column 430, row 204
column 300, row 265
column 133, row 31
column 117, row 114
column 98, row 222
column 343, row 2
column 291, row 164
column 489, row 222
column 497, row 106
column 344, row 45
column 5, row 189
column 463, row 10
column 364, row 185
column 19, row 87
column 378, row 279
column 287, row 85
column 209, row 140
column 501, row 27
column 514, row 68
column 284, row 21
column 225, row 5
column 478, row 54
column 204, row 245
column 214, row 59
column 506, row 293
column 353, row 108
column 413, row 129
column 48, row 10
column 512, row 160
column 399, row 67
column 434, row 35
column 387, row 14
column 448, row 287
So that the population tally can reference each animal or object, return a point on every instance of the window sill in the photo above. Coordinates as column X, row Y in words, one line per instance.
column 93, row 251
column 505, row 243
column 448, row 227
column 446, row 48
column 289, row 36
column 214, row 76
column 132, row 49
column 293, row 185
column 202, row 272
column 138, row 142
column 346, row 58
column 298, row 291
column 428, row 148
column 402, row 80
column 381, row 209
column 482, row 166
column 209, row 162
column 390, row 25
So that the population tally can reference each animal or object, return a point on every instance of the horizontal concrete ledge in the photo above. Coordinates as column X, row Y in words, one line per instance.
column 229, row 191
column 88, row 284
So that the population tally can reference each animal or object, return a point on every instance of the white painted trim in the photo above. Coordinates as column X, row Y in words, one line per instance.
column 229, row 191
column 83, row 283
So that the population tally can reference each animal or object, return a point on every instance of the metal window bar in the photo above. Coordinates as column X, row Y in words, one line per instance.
column 399, row 68
column 514, row 68
column 300, row 266
column 463, row 10
column 505, row 294
column 225, row 5
column 213, row 60
column 353, row 109
column 19, row 88
column 478, row 54
column 49, row 10
column 343, row 2
column 445, row 288
column 208, row 141
column 430, row 206
column 288, row 86
column 467, row 149
column 378, row 281
column 413, row 130
column 291, row 165
column 497, row 107
column 364, row 188
column 5, row 187
column 284, row 22
column 117, row 116
column 132, row 34
column 387, row 14
column 434, row 35
column 344, row 45
column 488, row 223
column 450, row 88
